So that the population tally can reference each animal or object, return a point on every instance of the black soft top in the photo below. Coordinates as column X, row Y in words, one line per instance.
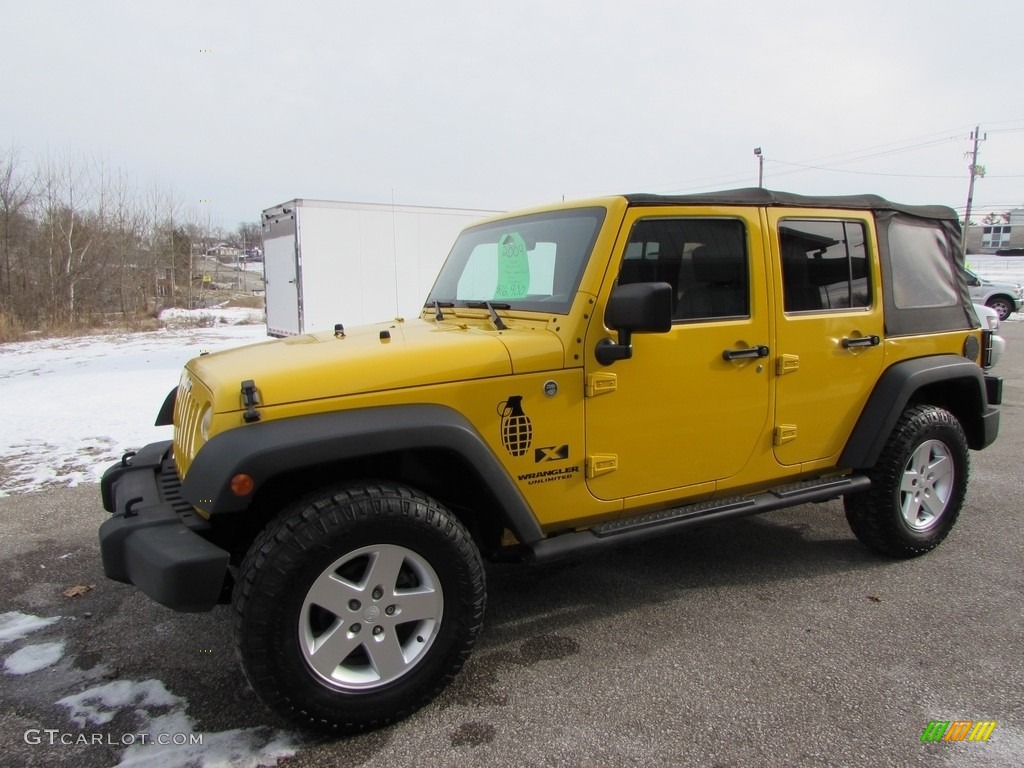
column 768, row 197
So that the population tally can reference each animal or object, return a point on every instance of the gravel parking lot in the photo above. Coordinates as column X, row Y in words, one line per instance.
column 776, row 640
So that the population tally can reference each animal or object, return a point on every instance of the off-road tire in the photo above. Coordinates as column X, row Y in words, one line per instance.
column 323, row 550
column 917, row 485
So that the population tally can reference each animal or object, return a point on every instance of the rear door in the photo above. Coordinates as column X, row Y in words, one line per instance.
column 828, row 352
column 280, row 275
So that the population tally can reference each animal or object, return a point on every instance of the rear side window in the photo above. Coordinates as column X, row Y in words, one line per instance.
column 824, row 265
column 704, row 260
column 924, row 288
column 922, row 275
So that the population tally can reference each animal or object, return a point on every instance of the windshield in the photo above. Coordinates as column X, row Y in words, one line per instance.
column 530, row 262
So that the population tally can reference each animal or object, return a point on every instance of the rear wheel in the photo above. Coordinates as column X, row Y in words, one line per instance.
column 357, row 606
column 917, row 486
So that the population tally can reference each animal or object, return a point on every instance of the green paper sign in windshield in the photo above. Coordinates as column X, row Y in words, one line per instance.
column 513, row 267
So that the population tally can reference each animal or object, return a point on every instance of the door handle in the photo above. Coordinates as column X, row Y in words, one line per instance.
column 745, row 354
column 861, row 341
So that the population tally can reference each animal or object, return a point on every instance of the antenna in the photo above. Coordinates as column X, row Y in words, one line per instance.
column 394, row 247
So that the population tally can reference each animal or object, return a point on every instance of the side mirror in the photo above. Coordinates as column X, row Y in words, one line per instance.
column 634, row 308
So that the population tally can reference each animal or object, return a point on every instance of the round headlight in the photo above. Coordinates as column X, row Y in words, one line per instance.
column 204, row 422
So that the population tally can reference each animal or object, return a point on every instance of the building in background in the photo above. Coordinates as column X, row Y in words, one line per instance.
column 1001, row 236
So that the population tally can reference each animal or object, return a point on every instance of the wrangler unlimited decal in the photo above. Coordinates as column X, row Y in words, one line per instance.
column 547, row 476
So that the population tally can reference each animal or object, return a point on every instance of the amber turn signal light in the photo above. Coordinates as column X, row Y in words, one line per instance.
column 242, row 484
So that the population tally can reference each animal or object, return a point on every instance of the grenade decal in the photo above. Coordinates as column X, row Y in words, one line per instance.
column 516, row 427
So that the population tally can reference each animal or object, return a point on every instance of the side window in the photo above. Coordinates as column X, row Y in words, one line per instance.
column 704, row 260
column 824, row 265
column 922, row 271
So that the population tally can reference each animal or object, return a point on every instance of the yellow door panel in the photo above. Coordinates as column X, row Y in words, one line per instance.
column 679, row 413
column 828, row 354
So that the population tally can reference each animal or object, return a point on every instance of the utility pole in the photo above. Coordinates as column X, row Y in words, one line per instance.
column 760, row 167
column 976, row 171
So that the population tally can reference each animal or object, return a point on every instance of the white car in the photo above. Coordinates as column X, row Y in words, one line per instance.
column 990, row 319
column 1004, row 298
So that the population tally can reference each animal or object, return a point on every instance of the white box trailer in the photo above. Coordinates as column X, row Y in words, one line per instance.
column 327, row 262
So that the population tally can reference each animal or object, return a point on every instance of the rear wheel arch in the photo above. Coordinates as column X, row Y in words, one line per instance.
column 917, row 487
column 951, row 382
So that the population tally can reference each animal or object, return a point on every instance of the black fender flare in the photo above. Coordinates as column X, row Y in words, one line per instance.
column 166, row 415
column 266, row 449
column 895, row 388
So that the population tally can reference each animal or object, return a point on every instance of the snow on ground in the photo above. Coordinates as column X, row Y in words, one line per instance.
column 215, row 316
column 161, row 716
column 164, row 735
column 69, row 407
column 1007, row 269
column 32, row 658
column 14, row 625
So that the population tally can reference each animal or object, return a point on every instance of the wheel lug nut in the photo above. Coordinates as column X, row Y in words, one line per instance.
column 378, row 629
column 353, row 605
column 390, row 610
column 378, row 593
column 354, row 629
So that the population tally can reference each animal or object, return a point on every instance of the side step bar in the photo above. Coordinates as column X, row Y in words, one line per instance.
column 638, row 528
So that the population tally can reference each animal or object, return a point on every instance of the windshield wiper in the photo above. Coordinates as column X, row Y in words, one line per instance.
column 438, row 314
column 490, row 308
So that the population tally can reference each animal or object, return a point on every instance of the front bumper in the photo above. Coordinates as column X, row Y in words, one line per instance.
column 154, row 539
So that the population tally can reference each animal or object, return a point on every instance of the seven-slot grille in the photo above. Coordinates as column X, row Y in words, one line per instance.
column 188, row 409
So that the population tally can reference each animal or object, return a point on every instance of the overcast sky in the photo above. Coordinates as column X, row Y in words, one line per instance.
column 497, row 105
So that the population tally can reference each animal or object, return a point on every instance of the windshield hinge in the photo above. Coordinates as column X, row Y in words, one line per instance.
column 600, row 384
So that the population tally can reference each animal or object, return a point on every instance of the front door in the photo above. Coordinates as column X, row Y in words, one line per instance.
column 692, row 405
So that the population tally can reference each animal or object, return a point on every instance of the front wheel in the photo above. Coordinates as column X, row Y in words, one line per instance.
column 1002, row 305
column 357, row 606
column 917, row 486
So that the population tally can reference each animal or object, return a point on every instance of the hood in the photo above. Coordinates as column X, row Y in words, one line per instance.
column 383, row 356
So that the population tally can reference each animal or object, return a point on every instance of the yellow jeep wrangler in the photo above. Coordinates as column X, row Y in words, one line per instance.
column 583, row 375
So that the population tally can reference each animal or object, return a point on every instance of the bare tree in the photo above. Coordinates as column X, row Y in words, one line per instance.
column 79, row 241
column 126, row 226
column 17, row 193
column 997, row 218
column 165, row 243
column 249, row 234
column 65, row 194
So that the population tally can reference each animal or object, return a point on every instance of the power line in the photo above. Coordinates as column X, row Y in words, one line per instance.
column 822, row 163
column 862, row 173
column 852, row 156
